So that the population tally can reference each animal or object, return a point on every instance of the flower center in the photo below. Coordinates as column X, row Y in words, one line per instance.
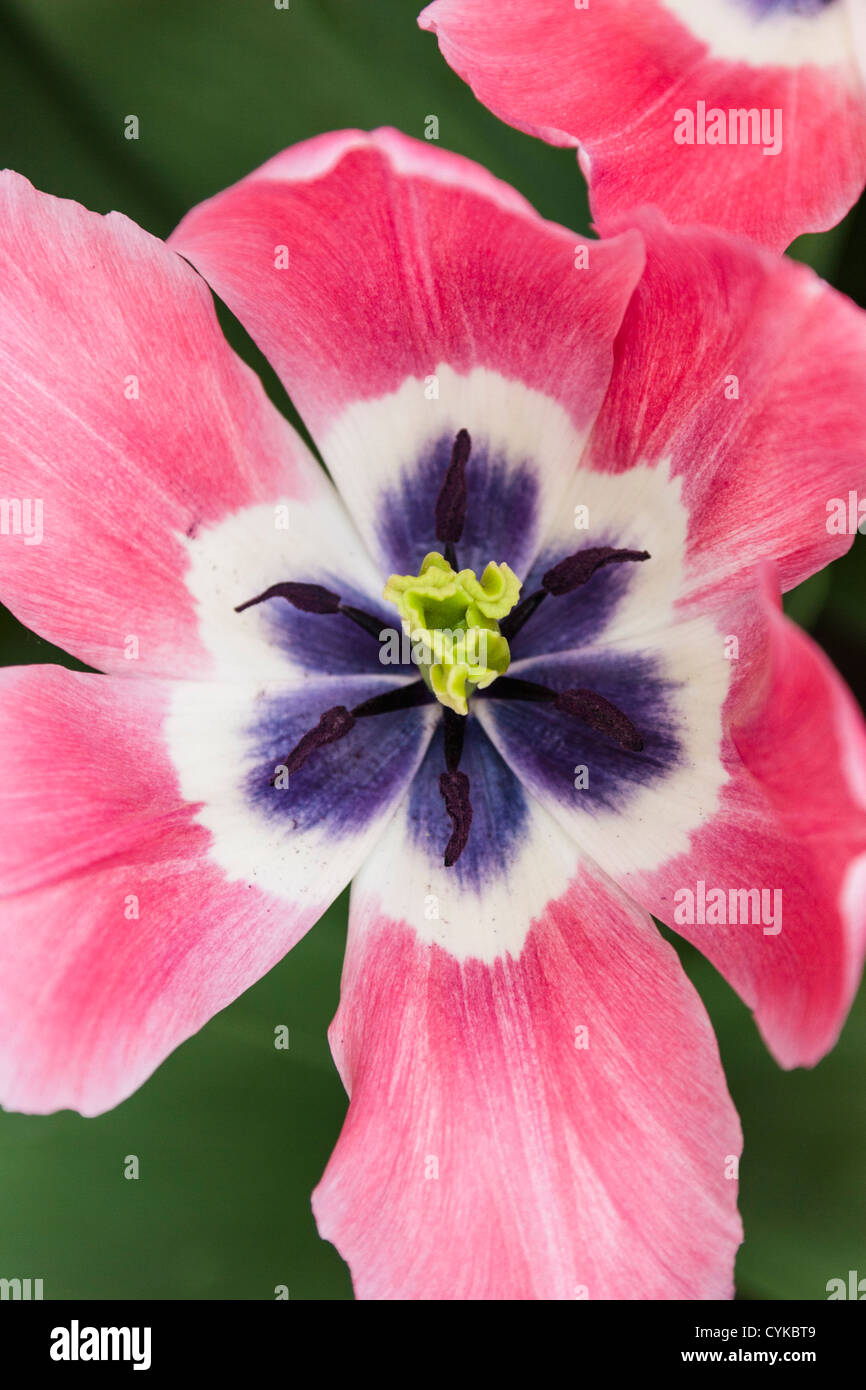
column 452, row 618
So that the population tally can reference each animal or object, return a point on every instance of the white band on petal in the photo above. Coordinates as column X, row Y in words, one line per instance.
column 778, row 38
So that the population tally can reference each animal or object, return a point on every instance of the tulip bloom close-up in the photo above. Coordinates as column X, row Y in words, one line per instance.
column 432, row 748
column 607, row 457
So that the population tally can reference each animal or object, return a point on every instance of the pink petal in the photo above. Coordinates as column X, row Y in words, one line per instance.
column 136, row 430
column 612, row 77
column 547, row 1125
column 745, row 375
column 402, row 293
column 752, row 781
column 792, row 818
column 144, row 887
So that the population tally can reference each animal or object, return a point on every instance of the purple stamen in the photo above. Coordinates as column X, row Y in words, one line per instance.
column 315, row 598
column 310, row 598
column 451, row 502
column 453, row 734
column 334, row 724
column 564, row 578
column 586, row 705
column 575, row 570
column 404, row 697
column 599, row 714
column 454, row 787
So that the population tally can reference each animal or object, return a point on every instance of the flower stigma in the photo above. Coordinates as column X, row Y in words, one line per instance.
column 452, row 618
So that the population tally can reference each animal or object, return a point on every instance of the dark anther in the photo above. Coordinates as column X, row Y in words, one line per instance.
column 310, row 598
column 454, row 787
column 454, row 728
column 314, row 598
column 600, row 714
column 591, row 709
column 334, row 724
column 575, row 570
column 564, row 578
column 451, row 502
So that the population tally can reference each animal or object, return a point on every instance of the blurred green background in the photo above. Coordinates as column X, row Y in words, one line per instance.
column 232, row 1134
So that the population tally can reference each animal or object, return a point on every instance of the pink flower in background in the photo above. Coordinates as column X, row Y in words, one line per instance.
column 745, row 114
column 647, row 431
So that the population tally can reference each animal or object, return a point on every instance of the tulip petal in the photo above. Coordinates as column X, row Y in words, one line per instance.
column 742, row 824
column 548, row 1123
column 404, row 294
column 148, row 485
column 736, row 113
column 149, row 873
column 742, row 376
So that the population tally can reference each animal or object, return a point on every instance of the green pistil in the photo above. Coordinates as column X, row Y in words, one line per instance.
column 452, row 618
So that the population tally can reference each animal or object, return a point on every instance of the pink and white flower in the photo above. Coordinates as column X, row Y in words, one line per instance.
column 537, row 1106
column 744, row 114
